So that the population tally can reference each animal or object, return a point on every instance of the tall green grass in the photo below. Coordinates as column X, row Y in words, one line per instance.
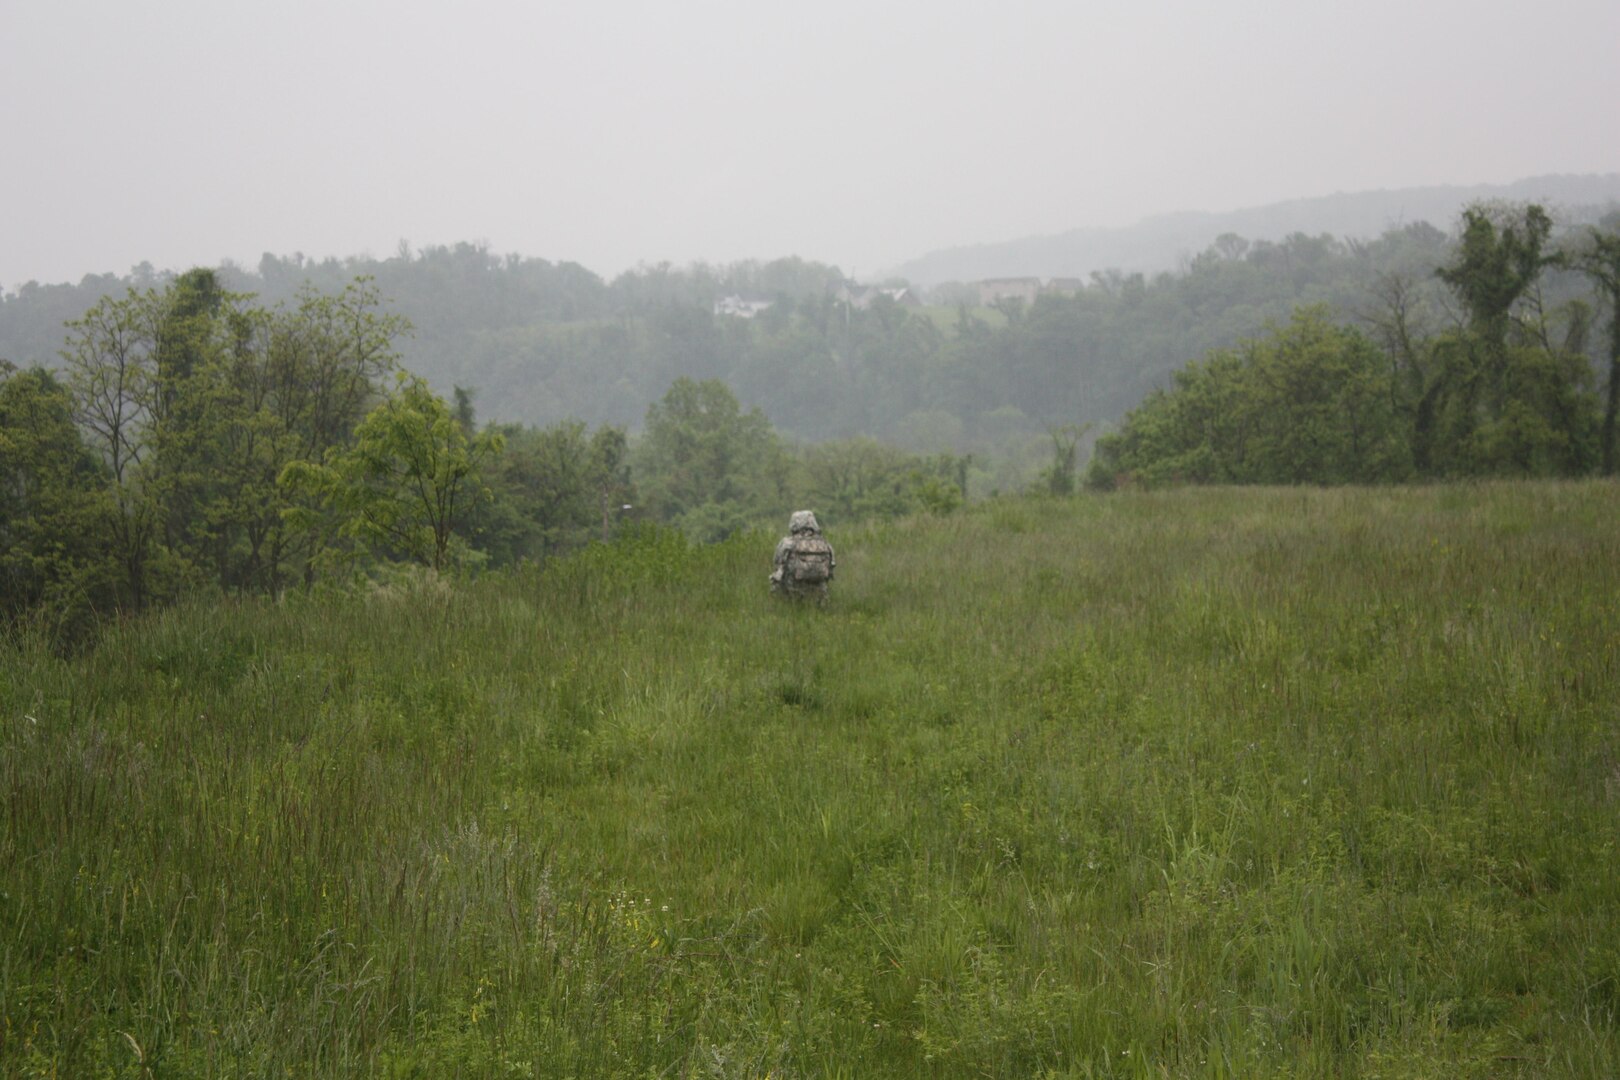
column 1201, row 783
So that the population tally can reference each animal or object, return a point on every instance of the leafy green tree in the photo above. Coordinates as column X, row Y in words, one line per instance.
column 52, row 508
column 201, row 331
column 197, row 399
column 1599, row 259
column 1311, row 403
column 1059, row 477
column 322, row 367
column 1193, row 432
column 1400, row 318
column 549, row 342
column 706, row 465
column 553, row 489
column 1512, row 400
column 334, row 350
column 1501, row 254
column 847, row 479
column 850, row 479
column 111, row 371
column 408, row 481
column 463, row 407
column 1333, row 418
column 609, row 475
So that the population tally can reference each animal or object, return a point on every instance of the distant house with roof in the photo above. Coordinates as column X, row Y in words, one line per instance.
column 738, row 308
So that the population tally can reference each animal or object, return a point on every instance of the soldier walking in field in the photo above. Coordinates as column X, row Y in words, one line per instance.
column 804, row 560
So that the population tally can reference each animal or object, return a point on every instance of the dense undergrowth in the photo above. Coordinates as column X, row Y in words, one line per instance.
column 1193, row 783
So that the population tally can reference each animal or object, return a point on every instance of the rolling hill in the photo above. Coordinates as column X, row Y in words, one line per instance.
column 1162, row 242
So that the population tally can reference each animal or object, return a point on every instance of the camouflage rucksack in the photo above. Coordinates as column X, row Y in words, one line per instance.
column 809, row 560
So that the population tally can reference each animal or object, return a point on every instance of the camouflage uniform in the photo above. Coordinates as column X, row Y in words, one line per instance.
column 805, row 541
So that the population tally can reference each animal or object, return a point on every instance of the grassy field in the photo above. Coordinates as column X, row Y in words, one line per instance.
column 1202, row 783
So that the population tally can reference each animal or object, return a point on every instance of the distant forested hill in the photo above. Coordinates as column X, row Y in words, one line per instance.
column 541, row 342
column 1166, row 241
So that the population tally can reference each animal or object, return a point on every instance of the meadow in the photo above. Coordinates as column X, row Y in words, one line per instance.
column 1205, row 783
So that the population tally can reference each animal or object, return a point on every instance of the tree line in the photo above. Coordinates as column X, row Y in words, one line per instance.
column 194, row 435
column 546, row 343
column 1484, row 367
column 195, row 438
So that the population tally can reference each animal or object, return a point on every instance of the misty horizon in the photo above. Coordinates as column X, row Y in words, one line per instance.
column 893, row 266
column 626, row 134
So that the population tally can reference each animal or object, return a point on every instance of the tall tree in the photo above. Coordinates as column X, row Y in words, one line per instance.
column 1498, row 258
column 1599, row 259
column 197, row 398
column 706, row 464
column 52, row 511
column 325, row 363
column 408, row 482
column 1309, row 403
column 553, row 489
column 110, row 359
column 193, row 408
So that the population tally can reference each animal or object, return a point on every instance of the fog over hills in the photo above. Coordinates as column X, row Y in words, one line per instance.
column 1162, row 242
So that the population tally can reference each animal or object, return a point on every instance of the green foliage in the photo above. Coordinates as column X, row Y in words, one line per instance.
column 553, row 489
column 551, row 343
column 1314, row 403
column 1499, row 395
column 706, row 465
column 111, row 371
column 1059, row 477
column 196, row 400
column 53, row 558
column 1271, row 782
column 1598, row 257
column 1508, row 401
column 408, row 481
column 849, row 480
column 1499, row 258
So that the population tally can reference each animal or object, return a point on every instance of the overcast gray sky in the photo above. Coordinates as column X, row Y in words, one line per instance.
column 861, row 134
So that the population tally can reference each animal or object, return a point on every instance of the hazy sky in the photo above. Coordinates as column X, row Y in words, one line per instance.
column 612, row 133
